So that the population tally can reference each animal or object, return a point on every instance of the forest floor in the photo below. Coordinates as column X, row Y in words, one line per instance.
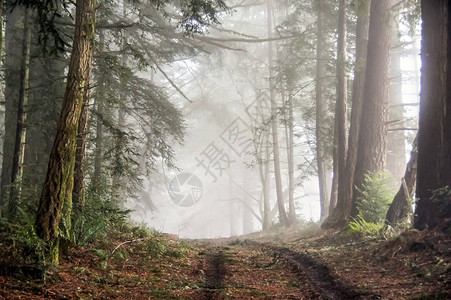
column 284, row 264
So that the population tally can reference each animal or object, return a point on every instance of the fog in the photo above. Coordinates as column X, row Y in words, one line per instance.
column 226, row 159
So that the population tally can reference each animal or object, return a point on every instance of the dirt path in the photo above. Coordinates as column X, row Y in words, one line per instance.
column 214, row 273
column 246, row 270
column 320, row 276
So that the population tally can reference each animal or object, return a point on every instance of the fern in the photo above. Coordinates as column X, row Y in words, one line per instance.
column 363, row 228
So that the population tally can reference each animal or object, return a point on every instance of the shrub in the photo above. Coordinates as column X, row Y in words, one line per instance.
column 95, row 220
column 376, row 195
column 19, row 243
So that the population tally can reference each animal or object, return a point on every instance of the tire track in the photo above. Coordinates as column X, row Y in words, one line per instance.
column 214, row 274
column 318, row 274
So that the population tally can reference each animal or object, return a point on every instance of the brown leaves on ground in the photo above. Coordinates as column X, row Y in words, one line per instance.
column 413, row 265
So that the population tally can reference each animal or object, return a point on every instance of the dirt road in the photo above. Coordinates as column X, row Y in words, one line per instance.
column 249, row 270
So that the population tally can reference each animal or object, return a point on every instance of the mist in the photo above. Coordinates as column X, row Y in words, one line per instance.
column 250, row 71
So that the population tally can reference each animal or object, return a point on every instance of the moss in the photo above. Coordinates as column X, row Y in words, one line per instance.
column 52, row 254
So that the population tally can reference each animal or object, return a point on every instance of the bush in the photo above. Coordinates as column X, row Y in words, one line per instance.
column 375, row 197
column 96, row 219
column 19, row 243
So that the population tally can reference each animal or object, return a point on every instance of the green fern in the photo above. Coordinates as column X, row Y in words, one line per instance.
column 363, row 228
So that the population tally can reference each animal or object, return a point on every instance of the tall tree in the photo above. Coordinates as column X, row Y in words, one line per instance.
column 58, row 185
column 12, row 62
column 79, row 191
column 373, row 124
column 340, row 141
column 289, row 126
column 321, row 110
column 283, row 218
column 342, row 211
column 434, row 134
column 21, row 129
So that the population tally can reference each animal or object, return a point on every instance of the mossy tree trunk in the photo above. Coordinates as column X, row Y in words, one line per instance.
column 58, row 185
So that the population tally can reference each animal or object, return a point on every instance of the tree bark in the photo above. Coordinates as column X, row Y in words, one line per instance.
column 372, row 142
column 79, row 190
column 21, row 129
column 434, row 136
column 401, row 207
column 340, row 142
column 321, row 112
column 342, row 211
column 58, row 185
column 12, row 79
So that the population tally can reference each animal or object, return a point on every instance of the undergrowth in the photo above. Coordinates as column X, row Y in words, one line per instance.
column 101, row 227
column 375, row 196
column 365, row 229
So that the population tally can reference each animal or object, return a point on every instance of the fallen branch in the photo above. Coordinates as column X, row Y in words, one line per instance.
column 126, row 242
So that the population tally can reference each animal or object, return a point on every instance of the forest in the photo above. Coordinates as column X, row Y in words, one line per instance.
column 213, row 149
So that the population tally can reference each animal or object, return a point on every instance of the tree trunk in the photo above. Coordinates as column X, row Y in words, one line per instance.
column 396, row 149
column 341, row 213
column 12, row 79
column 248, row 217
column 58, row 185
column 119, row 188
column 99, row 103
column 373, row 125
column 401, row 207
column 283, row 218
column 290, row 154
column 99, row 140
column 45, row 100
column 434, row 136
column 21, row 129
column 79, row 191
column 267, row 221
column 340, row 142
column 1, row 30
column 321, row 112
column 334, row 186
column 263, row 164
